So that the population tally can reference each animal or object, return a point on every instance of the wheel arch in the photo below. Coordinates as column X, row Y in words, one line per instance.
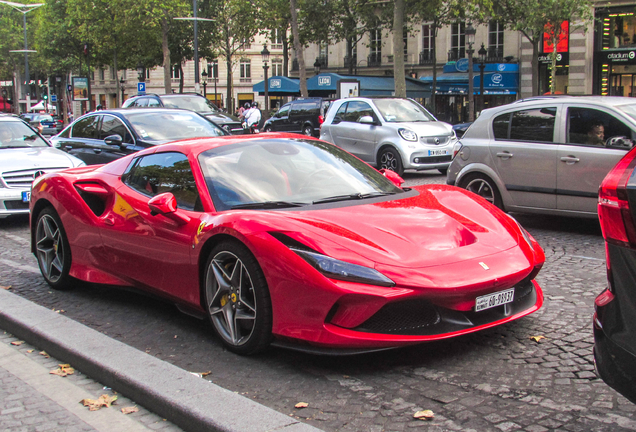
column 385, row 145
column 485, row 170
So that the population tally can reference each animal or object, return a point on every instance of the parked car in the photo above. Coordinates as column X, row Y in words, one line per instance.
column 24, row 154
column 545, row 155
column 390, row 133
column 46, row 124
column 288, row 239
column 615, row 314
column 103, row 136
column 303, row 115
column 190, row 101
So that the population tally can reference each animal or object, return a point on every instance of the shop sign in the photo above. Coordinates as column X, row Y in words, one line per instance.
column 626, row 57
column 324, row 80
column 462, row 65
column 562, row 59
column 275, row 83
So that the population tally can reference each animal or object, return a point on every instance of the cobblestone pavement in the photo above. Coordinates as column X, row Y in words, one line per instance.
column 496, row 380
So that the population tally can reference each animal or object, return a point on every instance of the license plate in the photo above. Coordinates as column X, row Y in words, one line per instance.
column 495, row 299
column 437, row 152
column 26, row 196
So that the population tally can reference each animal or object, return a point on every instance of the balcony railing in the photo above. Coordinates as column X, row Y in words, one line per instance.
column 426, row 57
column 456, row 54
column 374, row 59
column 353, row 62
column 495, row 55
column 323, row 61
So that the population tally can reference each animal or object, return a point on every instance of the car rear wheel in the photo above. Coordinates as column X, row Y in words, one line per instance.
column 267, row 128
column 52, row 250
column 308, row 130
column 237, row 299
column 390, row 159
column 484, row 187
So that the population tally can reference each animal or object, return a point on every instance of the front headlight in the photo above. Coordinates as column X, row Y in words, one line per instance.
column 341, row 270
column 407, row 134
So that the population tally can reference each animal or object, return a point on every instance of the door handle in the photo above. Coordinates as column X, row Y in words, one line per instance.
column 505, row 155
column 97, row 150
column 570, row 160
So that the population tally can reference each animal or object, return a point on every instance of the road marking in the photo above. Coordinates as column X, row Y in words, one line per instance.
column 19, row 266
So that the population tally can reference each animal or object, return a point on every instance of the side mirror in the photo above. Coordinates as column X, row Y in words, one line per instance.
column 114, row 139
column 165, row 204
column 366, row 120
column 619, row 142
column 393, row 176
column 336, row 120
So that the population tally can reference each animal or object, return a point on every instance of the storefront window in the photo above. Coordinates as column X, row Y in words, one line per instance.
column 619, row 30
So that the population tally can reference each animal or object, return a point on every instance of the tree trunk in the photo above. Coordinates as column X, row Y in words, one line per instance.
column 117, row 85
column 285, row 56
column 300, row 54
column 553, row 61
column 434, row 85
column 180, row 78
column 167, row 81
column 398, row 49
column 350, row 54
column 535, row 66
column 230, row 100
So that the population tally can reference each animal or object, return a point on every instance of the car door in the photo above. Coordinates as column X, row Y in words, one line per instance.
column 355, row 137
column 83, row 142
column 584, row 160
column 523, row 151
column 280, row 120
column 147, row 249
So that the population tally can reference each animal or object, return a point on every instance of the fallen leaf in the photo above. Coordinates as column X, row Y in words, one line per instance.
column 537, row 338
column 30, row 351
column 45, row 354
column 301, row 405
column 103, row 401
column 424, row 415
column 17, row 343
column 63, row 370
column 129, row 410
column 206, row 373
column 5, row 287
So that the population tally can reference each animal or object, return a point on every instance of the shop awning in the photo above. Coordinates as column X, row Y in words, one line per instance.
column 499, row 78
column 326, row 84
column 278, row 86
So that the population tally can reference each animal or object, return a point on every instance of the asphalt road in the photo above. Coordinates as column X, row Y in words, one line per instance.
column 496, row 380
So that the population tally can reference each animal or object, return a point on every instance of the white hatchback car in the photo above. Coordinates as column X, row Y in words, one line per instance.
column 391, row 133
column 24, row 155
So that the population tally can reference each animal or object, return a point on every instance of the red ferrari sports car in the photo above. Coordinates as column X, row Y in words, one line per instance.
column 287, row 240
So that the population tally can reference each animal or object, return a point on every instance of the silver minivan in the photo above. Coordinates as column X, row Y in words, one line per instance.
column 390, row 133
column 545, row 154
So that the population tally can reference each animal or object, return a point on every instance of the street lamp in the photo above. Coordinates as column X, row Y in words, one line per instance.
column 317, row 66
column 470, row 36
column 482, row 65
column 121, row 85
column 265, row 57
column 141, row 72
column 204, row 74
column 196, row 42
column 215, row 75
column 24, row 8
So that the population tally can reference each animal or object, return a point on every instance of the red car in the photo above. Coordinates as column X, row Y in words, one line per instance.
column 288, row 240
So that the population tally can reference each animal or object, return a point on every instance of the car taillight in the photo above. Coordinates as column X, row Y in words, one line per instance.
column 321, row 120
column 616, row 220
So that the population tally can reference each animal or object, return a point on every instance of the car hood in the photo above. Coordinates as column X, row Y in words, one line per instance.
column 440, row 225
column 35, row 157
column 435, row 128
column 220, row 118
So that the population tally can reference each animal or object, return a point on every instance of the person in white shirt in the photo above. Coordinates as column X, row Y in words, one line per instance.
column 252, row 115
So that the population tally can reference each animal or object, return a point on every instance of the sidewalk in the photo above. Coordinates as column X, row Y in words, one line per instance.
column 33, row 399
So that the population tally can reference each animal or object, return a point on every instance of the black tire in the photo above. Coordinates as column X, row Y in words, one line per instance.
column 444, row 171
column 308, row 130
column 237, row 299
column 267, row 128
column 483, row 186
column 53, row 251
column 389, row 158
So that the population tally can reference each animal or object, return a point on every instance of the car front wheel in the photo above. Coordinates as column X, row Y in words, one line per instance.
column 484, row 187
column 52, row 250
column 308, row 130
column 390, row 159
column 267, row 128
column 237, row 299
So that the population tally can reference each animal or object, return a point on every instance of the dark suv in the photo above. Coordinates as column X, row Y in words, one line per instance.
column 303, row 115
column 190, row 101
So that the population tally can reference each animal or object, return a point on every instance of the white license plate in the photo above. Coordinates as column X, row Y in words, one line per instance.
column 26, row 196
column 437, row 152
column 495, row 299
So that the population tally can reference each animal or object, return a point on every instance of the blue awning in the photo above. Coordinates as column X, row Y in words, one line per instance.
column 327, row 83
column 278, row 86
column 499, row 78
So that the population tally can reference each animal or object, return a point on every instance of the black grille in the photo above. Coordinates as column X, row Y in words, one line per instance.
column 402, row 318
column 16, row 205
column 523, row 288
column 434, row 159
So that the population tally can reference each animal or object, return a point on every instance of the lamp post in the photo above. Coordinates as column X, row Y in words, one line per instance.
column 204, row 74
column 196, row 42
column 470, row 36
column 482, row 65
column 141, row 72
column 24, row 9
column 265, row 57
column 215, row 74
column 121, row 85
column 317, row 66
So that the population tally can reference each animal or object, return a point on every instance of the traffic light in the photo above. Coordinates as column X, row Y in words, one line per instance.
column 45, row 97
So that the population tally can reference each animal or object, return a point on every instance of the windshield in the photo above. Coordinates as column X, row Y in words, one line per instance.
column 163, row 126
column 189, row 102
column 287, row 173
column 17, row 134
column 630, row 110
column 402, row 110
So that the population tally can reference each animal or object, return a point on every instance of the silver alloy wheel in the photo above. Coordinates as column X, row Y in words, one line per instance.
column 231, row 298
column 50, row 248
column 388, row 161
column 482, row 188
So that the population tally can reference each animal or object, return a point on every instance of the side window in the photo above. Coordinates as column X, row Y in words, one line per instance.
column 501, row 126
column 141, row 103
column 304, row 108
column 534, row 125
column 112, row 125
column 356, row 110
column 594, row 127
column 152, row 103
column 340, row 114
column 283, row 112
column 86, row 127
column 166, row 172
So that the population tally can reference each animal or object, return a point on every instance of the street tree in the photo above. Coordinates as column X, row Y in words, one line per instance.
column 275, row 22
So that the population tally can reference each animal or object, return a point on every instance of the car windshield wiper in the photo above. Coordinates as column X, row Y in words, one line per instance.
column 267, row 205
column 348, row 197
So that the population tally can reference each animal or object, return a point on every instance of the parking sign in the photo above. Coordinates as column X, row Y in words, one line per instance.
column 141, row 87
